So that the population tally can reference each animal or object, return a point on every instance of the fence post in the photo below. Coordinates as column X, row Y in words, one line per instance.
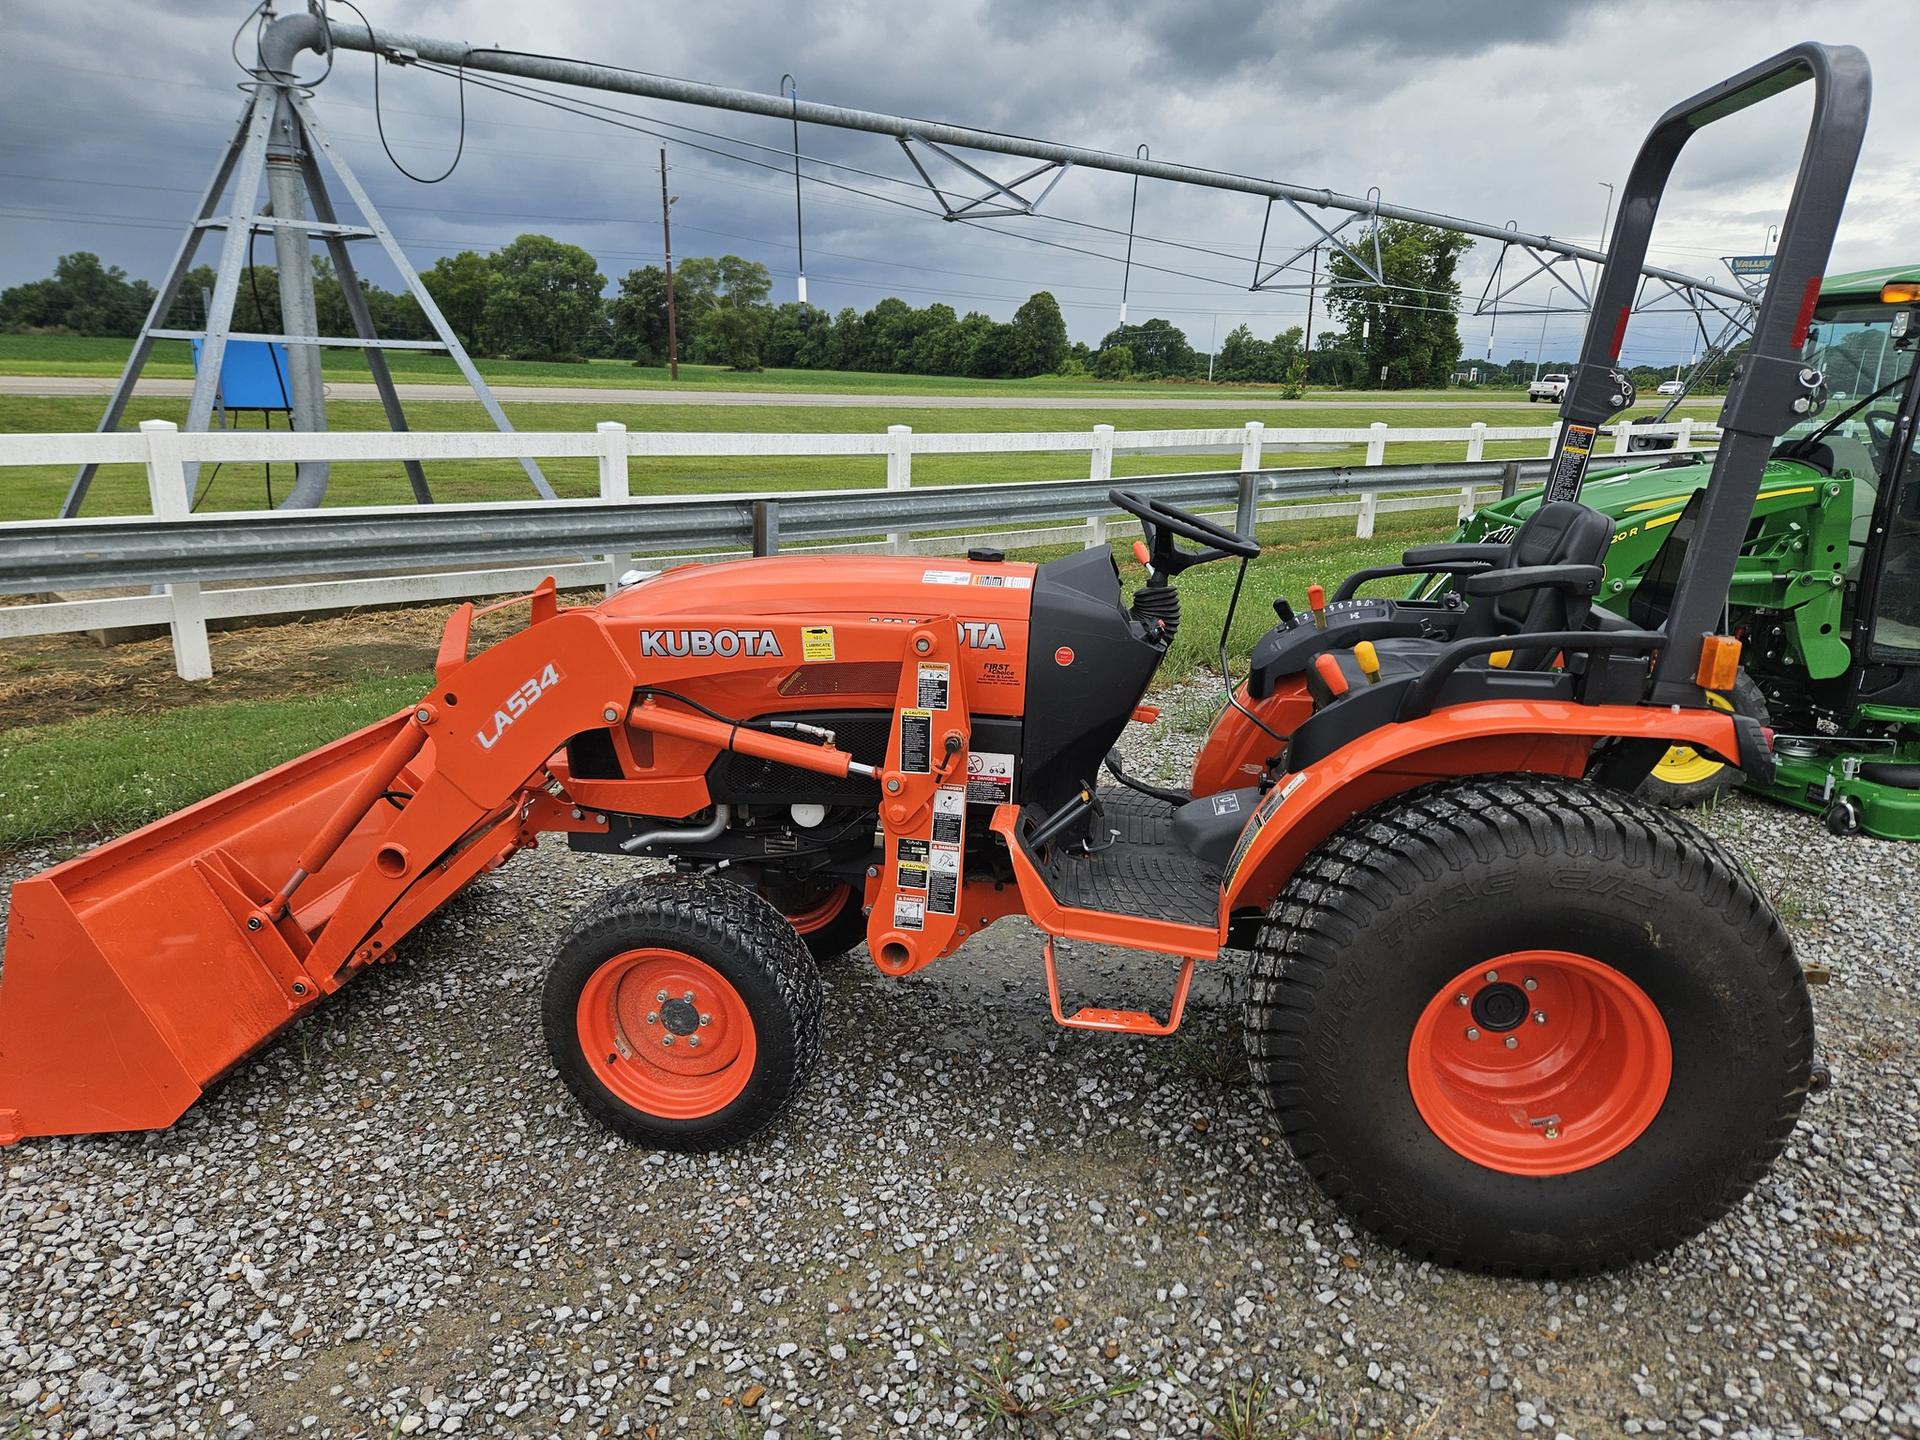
column 1622, row 438
column 1509, row 479
column 167, row 488
column 1363, row 522
column 1553, row 439
column 1377, row 443
column 1467, row 502
column 1247, row 513
column 899, row 476
column 1684, row 440
column 614, row 486
column 1477, row 441
column 766, row 527
column 1251, row 443
column 1100, row 469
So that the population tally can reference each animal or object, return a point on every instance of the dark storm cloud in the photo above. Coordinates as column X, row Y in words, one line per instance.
column 1488, row 109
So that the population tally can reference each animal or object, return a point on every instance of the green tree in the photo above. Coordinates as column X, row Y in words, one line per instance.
column 1405, row 332
column 82, row 296
column 1157, row 348
column 1242, row 356
column 1115, row 362
column 459, row 285
column 1038, row 342
column 544, row 302
column 638, row 315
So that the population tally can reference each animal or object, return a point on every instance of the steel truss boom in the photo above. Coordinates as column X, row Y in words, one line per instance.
column 287, row 37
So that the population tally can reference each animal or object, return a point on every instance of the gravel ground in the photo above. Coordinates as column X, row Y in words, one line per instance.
column 394, row 1221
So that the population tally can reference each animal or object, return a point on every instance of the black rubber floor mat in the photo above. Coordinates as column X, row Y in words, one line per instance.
column 1144, row 872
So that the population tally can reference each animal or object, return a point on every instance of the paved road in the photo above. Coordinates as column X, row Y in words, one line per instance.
column 100, row 385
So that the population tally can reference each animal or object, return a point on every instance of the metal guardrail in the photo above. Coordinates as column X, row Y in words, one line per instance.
column 42, row 555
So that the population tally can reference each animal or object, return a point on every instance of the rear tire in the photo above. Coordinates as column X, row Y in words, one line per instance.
column 683, row 1074
column 1684, row 777
column 1657, row 951
column 830, row 919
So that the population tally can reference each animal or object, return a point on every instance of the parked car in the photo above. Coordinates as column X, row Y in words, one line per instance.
column 1548, row 387
column 1671, row 387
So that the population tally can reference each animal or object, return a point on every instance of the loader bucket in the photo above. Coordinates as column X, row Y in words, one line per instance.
column 138, row 973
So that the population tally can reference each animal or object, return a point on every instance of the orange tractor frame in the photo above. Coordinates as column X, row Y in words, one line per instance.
column 1507, row 1016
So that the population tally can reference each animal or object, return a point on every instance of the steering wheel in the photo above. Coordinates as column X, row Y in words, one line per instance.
column 1161, row 522
column 1880, row 427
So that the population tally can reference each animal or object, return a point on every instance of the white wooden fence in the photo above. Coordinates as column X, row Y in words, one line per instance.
column 165, row 452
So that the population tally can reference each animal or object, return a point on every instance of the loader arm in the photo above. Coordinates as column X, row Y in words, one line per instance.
column 192, row 941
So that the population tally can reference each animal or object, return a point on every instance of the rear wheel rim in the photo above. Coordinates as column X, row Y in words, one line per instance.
column 666, row 1033
column 1509, row 1090
column 819, row 912
column 1684, row 765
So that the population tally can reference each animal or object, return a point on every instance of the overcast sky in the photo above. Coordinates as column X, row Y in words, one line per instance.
column 112, row 114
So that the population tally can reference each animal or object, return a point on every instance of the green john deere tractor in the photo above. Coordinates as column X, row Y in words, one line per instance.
column 1826, row 597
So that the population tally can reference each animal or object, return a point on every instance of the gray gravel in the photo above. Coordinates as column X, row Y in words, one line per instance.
column 394, row 1221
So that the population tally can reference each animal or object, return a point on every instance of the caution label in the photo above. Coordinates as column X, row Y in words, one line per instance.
column 916, row 742
column 935, row 682
column 949, row 815
column 816, row 642
column 913, row 877
column 989, row 777
column 1570, row 468
column 943, row 893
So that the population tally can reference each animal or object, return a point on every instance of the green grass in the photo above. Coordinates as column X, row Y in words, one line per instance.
column 88, row 778
column 34, row 492
column 90, row 355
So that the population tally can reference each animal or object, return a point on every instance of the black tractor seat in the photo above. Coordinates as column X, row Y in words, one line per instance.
column 1497, row 590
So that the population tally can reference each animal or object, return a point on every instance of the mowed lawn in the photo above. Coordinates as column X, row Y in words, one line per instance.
column 35, row 492
column 172, row 359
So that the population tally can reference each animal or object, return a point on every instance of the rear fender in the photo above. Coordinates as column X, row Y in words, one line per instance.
column 1547, row 737
column 1236, row 750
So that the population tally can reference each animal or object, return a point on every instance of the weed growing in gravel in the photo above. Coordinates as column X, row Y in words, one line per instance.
column 1013, row 1395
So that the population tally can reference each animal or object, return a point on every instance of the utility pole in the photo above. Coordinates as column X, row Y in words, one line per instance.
column 666, row 238
column 799, row 235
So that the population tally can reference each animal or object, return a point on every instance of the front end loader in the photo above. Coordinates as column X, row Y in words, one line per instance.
column 1508, row 1016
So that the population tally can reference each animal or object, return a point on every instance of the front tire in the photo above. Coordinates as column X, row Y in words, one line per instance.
column 1666, row 1076
column 683, row 1013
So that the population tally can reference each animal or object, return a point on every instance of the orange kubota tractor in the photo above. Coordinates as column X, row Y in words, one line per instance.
column 1509, row 1016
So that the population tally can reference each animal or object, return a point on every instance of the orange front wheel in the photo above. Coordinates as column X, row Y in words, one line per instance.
column 683, row 1013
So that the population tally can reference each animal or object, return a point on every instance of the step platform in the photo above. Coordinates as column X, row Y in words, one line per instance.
column 1143, row 872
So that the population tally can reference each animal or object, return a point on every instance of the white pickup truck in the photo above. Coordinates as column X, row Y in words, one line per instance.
column 1548, row 387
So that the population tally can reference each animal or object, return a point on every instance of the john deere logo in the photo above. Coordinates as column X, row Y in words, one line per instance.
column 708, row 642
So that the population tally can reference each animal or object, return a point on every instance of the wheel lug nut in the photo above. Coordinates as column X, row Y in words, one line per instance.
column 1492, row 976
column 688, row 997
column 661, row 996
column 706, row 1019
column 666, row 1039
column 653, row 1017
column 1512, row 1043
column 1539, row 1017
column 1532, row 984
column 1461, row 999
column 1553, row 1132
column 693, row 1041
column 1473, row 1032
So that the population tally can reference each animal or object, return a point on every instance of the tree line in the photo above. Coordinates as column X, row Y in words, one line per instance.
column 543, row 299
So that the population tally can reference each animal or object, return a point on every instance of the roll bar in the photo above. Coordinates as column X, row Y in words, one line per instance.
column 1772, row 389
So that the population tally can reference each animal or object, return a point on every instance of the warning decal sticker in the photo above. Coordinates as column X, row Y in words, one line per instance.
column 943, row 894
column 816, row 642
column 913, row 877
column 916, row 741
column 1570, row 469
column 909, row 913
column 949, row 814
column 933, row 687
column 989, row 777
